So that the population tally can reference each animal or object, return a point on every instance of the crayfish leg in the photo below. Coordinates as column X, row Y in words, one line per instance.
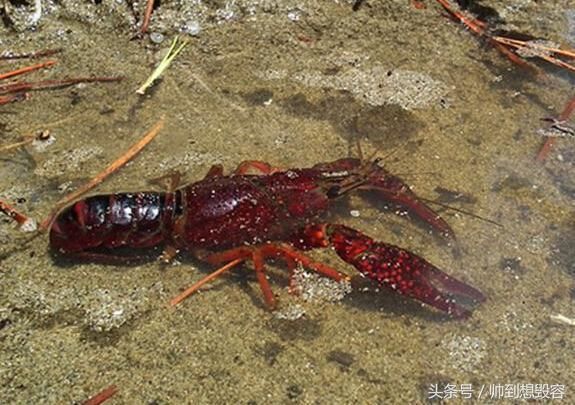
column 212, row 276
column 169, row 182
column 263, row 280
column 258, row 254
column 255, row 167
column 215, row 171
column 168, row 254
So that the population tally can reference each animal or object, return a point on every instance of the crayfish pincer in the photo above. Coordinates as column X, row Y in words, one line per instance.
column 261, row 212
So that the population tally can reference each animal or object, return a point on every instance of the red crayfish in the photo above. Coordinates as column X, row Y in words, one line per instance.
column 261, row 212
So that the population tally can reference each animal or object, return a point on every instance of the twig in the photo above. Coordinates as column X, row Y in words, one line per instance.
column 100, row 177
column 563, row 319
column 544, row 54
column 53, row 84
column 16, row 145
column 504, row 44
column 42, row 136
column 102, row 396
column 545, row 149
column 118, row 163
column 520, row 44
column 147, row 17
column 32, row 55
column 25, row 223
column 550, row 141
column 510, row 47
column 12, row 98
column 474, row 24
column 513, row 57
column 164, row 64
column 568, row 110
column 27, row 69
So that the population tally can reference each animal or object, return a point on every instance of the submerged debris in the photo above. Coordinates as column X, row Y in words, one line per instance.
column 466, row 352
column 563, row 319
column 101, row 310
column 173, row 51
column 25, row 223
column 107, row 310
column 315, row 288
column 537, row 48
column 290, row 312
column 61, row 163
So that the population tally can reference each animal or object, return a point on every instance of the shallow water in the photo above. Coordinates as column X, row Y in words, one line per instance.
column 293, row 86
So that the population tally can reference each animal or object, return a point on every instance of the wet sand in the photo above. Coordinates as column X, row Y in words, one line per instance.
column 292, row 84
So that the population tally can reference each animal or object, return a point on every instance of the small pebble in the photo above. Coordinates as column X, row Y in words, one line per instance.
column 354, row 213
column 156, row 37
column 294, row 15
column 42, row 141
column 191, row 27
column 29, row 225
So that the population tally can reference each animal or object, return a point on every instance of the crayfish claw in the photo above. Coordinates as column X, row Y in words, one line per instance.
column 403, row 271
column 440, row 290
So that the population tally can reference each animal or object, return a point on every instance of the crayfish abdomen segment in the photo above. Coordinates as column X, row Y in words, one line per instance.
column 108, row 221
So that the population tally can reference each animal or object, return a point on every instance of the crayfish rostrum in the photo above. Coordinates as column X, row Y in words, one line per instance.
column 261, row 212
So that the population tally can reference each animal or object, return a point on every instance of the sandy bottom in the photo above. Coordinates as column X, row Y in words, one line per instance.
column 294, row 85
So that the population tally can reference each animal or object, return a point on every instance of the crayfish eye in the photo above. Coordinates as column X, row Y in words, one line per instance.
column 333, row 192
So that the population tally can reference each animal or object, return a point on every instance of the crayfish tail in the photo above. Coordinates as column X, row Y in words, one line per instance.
column 403, row 271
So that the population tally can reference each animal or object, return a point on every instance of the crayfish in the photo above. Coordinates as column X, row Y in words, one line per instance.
column 262, row 212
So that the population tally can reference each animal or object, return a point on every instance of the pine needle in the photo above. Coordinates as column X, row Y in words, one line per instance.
column 100, row 177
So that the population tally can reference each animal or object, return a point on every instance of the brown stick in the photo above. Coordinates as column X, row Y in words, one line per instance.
column 41, row 136
column 521, row 44
column 147, row 17
column 513, row 57
column 27, row 69
column 102, row 396
column 16, row 145
column 12, row 98
column 479, row 28
column 550, row 141
column 568, row 110
column 17, row 216
column 32, row 55
column 53, row 84
column 545, row 149
column 525, row 45
column 558, row 62
column 474, row 24
column 100, row 177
